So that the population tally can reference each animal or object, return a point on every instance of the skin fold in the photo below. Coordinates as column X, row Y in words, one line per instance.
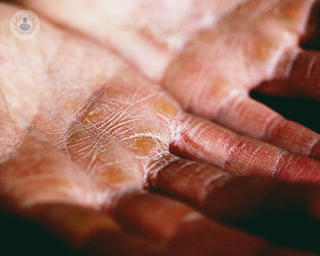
column 83, row 135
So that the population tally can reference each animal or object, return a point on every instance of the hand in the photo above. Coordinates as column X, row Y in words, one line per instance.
column 210, row 55
column 82, row 134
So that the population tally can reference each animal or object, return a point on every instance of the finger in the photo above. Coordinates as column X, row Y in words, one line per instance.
column 186, row 231
column 232, row 108
column 86, row 231
column 264, row 206
column 90, row 232
column 298, row 78
column 151, row 216
column 207, row 142
column 216, row 192
column 227, row 58
column 214, row 73
column 225, row 196
column 223, row 102
column 249, row 117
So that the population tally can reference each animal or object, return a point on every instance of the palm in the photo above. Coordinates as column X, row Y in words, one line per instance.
column 82, row 134
column 211, row 74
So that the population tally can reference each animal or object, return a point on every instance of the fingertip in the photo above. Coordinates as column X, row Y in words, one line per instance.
column 315, row 151
column 297, row 169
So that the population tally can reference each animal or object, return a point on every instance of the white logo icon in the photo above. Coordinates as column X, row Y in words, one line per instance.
column 25, row 25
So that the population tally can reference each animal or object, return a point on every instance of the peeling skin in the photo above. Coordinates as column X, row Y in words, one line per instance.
column 209, row 54
column 82, row 134
column 107, row 108
column 95, row 117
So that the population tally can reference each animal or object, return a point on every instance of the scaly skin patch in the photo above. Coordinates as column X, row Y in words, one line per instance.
column 96, row 133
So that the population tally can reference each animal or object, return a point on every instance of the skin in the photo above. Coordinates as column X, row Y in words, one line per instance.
column 83, row 135
column 209, row 55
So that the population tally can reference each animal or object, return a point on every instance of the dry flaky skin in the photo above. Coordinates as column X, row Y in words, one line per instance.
column 209, row 54
column 81, row 134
